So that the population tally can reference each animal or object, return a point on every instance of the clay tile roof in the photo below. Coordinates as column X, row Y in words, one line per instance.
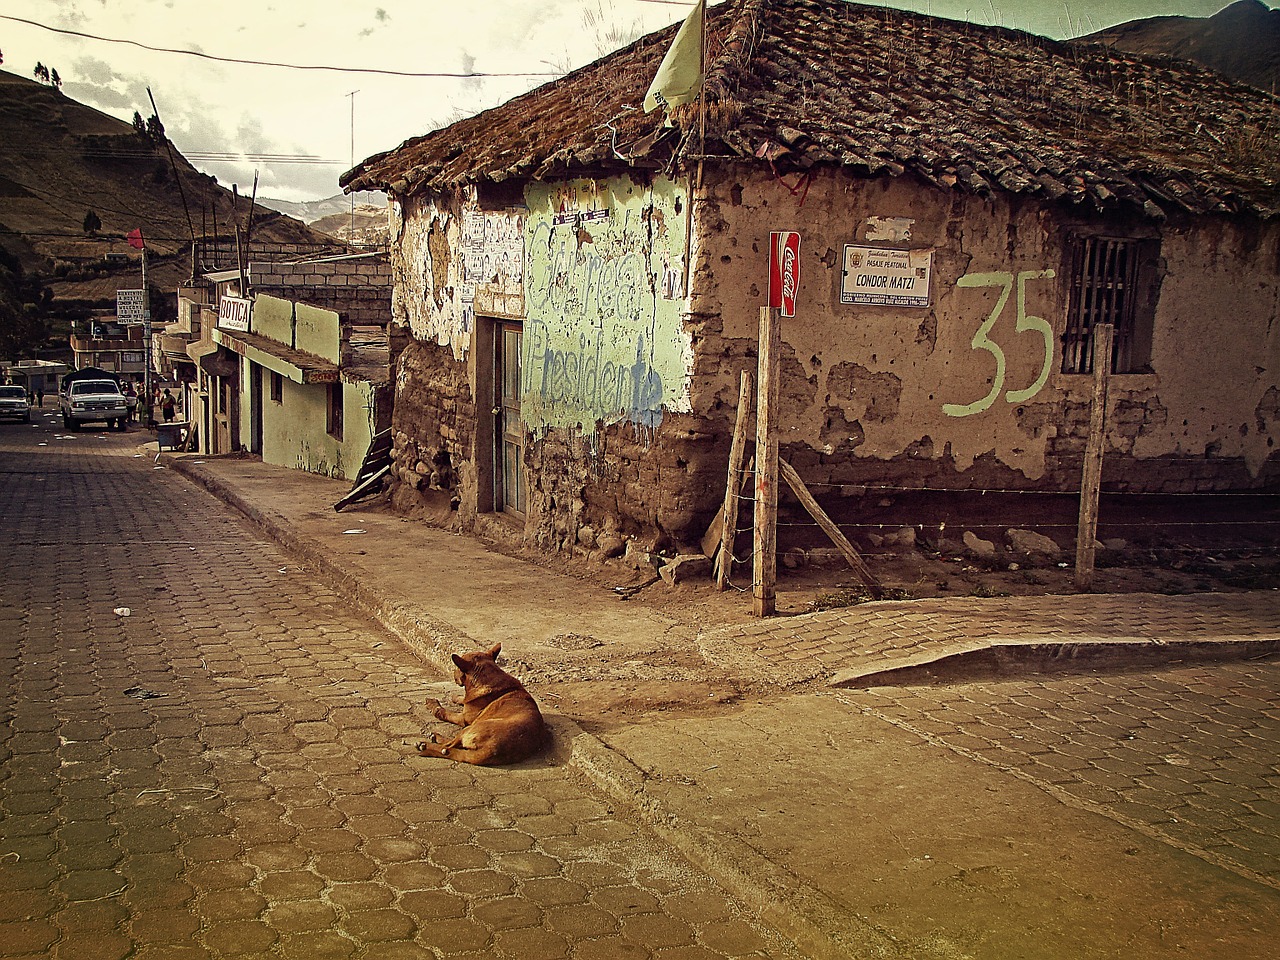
column 803, row 84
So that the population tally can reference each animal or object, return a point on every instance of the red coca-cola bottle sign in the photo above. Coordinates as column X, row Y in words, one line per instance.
column 784, row 270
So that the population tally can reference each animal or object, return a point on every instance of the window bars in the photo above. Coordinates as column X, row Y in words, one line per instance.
column 1104, row 289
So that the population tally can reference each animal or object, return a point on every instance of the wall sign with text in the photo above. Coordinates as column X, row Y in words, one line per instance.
column 893, row 278
column 234, row 314
column 784, row 271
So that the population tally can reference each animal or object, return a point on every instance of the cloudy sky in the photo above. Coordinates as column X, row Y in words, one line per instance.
column 299, row 129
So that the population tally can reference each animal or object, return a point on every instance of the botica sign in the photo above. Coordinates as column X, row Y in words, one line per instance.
column 234, row 314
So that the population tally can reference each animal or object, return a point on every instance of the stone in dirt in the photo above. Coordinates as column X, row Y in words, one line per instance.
column 686, row 567
column 977, row 546
column 1032, row 544
column 611, row 545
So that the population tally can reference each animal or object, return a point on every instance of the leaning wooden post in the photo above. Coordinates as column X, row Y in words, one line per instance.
column 737, row 451
column 765, row 566
column 829, row 527
column 1091, row 481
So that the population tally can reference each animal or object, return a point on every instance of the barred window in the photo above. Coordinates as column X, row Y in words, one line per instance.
column 1112, row 281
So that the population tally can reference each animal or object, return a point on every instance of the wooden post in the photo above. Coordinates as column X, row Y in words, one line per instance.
column 829, row 527
column 765, row 566
column 1091, row 481
column 737, row 451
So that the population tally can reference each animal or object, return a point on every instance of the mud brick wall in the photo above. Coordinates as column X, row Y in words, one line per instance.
column 625, row 482
column 433, row 428
column 968, row 393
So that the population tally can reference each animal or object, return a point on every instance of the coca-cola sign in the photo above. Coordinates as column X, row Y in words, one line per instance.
column 784, row 270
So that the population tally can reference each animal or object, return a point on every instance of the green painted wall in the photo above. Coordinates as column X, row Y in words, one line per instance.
column 311, row 329
column 318, row 332
column 294, row 430
column 604, row 336
column 273, row 317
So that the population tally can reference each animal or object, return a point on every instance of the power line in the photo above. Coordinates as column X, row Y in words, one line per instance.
column 143, row 155
column 471, row 75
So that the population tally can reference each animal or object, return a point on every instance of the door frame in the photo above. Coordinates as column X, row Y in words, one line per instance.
column 508, row 428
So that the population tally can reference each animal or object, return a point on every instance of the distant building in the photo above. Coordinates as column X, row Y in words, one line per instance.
column 38, row 376
column 110, row 345
column 298, row 371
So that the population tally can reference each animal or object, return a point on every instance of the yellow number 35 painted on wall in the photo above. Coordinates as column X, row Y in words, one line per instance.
column 980, row 340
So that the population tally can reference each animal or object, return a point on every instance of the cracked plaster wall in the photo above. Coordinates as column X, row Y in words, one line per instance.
column 913, row 394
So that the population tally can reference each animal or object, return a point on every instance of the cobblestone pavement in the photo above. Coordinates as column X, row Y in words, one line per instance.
column 204, row 754
column 1187, row 755
column 1132, row 815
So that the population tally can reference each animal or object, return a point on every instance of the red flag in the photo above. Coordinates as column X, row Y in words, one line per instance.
column 135, row 239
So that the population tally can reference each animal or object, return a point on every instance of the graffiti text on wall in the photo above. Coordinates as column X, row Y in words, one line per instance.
column 580, row 379
column 604, row 338
column 981, row 340
column 585, row 283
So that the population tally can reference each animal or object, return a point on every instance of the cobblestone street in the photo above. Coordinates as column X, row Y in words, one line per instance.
column 207, row 750
column 204, row 754
column 1183, row 755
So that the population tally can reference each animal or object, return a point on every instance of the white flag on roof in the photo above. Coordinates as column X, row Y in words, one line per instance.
column 679, row 77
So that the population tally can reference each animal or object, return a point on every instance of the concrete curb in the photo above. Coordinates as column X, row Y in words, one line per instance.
column 1060, row 656
column 819, row 927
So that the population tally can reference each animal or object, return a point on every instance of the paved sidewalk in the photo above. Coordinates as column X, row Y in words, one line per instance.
column 440, row 591
column 1021, row 817
column 876, row 642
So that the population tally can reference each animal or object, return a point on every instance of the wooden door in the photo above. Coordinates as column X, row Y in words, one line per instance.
column 509, row 429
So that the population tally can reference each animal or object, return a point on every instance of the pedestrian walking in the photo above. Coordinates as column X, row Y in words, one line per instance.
column 168, row 406
column 131, row 400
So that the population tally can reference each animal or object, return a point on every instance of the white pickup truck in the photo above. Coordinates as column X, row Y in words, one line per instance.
column 90, row 401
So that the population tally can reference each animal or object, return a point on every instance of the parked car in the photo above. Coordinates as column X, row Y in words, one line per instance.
column 14, row 403
column 90, row 401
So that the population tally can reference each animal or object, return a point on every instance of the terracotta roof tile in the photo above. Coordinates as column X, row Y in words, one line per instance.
column 800, row 83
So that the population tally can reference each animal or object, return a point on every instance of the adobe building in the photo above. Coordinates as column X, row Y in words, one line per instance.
column 582, row 281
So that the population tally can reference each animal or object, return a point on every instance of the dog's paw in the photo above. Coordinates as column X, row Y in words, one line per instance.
column 424, row 746
column 440, row 713
column 433, row 705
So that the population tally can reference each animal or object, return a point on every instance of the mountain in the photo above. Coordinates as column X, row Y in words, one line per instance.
column 1242, row 41
column 74, row 182
column 309, row 211
column 365, row 222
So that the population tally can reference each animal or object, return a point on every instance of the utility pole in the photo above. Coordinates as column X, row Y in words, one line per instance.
column 146, row 333
column 352, row 235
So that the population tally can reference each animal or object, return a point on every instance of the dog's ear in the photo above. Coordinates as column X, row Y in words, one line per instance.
column 495, row 650
column 459, row 663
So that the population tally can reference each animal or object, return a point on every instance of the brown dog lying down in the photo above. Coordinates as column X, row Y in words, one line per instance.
column 500, row 721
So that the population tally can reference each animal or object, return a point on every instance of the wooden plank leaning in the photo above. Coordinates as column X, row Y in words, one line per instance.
column 829, row 527
column 733, row 488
